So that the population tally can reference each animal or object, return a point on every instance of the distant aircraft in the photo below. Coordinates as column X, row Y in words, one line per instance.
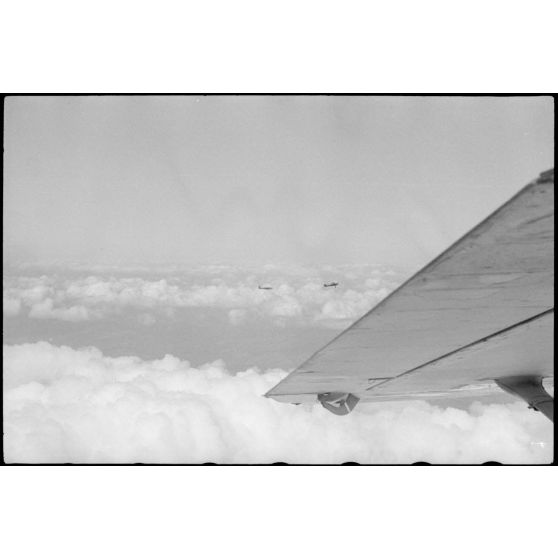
column 265, row 288
column 332, row 284
column 476, row 320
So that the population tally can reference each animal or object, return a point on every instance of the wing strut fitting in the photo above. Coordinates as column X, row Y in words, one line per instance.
column 338, row 403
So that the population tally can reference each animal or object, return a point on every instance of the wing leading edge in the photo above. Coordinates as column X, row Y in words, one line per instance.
column 480, row 312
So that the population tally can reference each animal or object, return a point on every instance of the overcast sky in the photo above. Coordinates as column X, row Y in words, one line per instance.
column 389, row 180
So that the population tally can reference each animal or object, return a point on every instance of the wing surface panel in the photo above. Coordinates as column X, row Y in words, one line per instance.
column 519, row 350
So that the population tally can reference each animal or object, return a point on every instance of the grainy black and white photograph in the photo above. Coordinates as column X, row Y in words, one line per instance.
column 260, row 279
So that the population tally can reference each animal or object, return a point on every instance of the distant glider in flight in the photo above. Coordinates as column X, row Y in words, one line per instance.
column 477, row 320
column 332, row 284
column 264, row 288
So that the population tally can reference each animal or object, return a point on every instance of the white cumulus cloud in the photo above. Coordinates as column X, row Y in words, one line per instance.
column 297, row 294
column 45, row 309
column 79, row 406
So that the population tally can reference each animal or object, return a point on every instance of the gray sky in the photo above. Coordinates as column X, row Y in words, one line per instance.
column 389, row 180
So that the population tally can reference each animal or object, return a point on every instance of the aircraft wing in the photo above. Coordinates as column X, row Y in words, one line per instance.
column 479, row 314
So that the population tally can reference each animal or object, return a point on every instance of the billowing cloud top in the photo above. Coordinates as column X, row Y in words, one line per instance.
column 297, row 295
column 65, row 405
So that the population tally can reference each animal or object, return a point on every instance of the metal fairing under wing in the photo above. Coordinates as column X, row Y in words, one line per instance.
column 478, row 316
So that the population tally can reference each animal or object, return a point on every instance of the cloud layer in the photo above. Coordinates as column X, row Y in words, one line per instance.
column 298, row 294
column 65, row 405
